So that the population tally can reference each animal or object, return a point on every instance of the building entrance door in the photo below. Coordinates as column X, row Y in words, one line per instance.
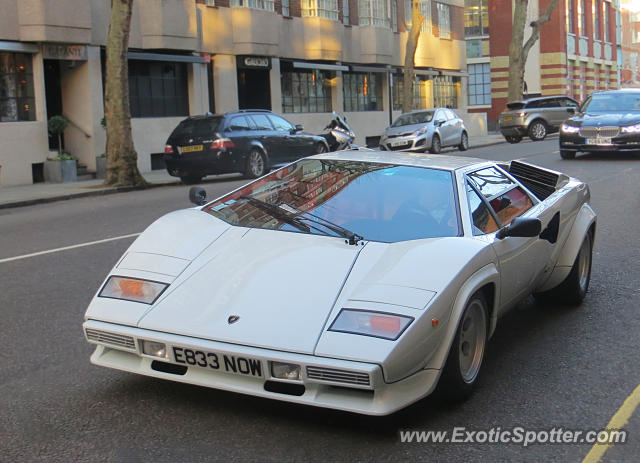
column 53, row 92
column 253, row 89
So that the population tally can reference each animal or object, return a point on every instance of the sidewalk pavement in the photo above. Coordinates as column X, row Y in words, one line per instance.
column 26, row 195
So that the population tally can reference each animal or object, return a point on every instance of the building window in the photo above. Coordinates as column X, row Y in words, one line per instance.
column 285, row 8
column 320, row 8
column 607, row 18
column 479, row 84
column 476, row 17
column 425, row 9
column 257, row 4
column 445, row 91
column 581, row 14
column 305, row 91
column 595, row 15
column 158, row 89
column 345, row 11
column 373, row 13
column 421, row 92
column 394, row 16
column 569, row 16
column 444, row 21
column 16, row 88
column 362, row 91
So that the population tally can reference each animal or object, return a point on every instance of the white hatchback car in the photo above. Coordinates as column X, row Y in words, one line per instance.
column 426, row 130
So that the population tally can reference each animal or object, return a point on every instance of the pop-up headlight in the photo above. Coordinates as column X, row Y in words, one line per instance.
column 368, row 323
column 133, row 289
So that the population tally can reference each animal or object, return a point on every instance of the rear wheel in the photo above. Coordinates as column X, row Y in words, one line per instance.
column 191, row 179
column 566, row 154
column 464, row 142
column 256, row 164
column 512, row 138
column 321, row 148
column 537, row 130
column 462, row 369
column 436, row 145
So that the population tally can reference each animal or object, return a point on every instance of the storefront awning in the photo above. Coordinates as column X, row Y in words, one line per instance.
column 369, row 69
column 320, row 66
column 163, row 57
column 20, row 47
column 454, row 73
column 425, row 72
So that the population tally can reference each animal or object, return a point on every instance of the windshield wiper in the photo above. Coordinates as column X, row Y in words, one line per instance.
column 277, row 213
column 341, row 231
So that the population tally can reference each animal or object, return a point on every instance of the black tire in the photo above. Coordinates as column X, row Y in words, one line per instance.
column 537, row 130
column 464, row 142
column 321, row 148
column 191, row 179
column 436, row 145
column 456, row 385
column 566, row 154
column 573, row 289
column 513, row 138
column 256, row 165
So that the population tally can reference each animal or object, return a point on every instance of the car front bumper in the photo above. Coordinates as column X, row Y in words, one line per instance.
column 331, row 383
column 410, row 143
column 575, row 142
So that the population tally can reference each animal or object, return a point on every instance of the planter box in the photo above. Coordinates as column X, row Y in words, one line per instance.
column 101, row 167
column 60, row 171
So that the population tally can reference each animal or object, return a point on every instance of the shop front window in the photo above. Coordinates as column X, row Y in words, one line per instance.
column 362, row 91
column 17, row 101
column 305, row 91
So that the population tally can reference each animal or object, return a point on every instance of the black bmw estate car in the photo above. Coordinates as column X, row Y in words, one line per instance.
column 607, row 121
column 246, row 141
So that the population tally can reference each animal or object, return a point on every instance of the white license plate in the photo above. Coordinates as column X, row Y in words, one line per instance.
column 399, row 143
column 234, row 364
column 598, row 141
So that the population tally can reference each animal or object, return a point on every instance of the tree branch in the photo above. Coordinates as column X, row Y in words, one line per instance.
column 537, row 25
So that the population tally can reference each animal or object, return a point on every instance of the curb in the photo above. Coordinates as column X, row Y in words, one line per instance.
column 97, row 192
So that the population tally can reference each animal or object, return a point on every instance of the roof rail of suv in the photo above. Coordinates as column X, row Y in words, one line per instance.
column 254, row 111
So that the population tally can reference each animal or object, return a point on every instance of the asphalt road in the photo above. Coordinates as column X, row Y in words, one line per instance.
column 546, row 366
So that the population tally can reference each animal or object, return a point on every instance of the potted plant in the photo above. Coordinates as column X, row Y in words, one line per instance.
column 62, row 168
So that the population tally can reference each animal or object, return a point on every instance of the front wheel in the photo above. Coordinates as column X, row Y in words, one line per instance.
column 436, row 145
column 461, row 371
column 464, row 142
column 566, row 154
column 321, row 148
column 537, row 130
column 256, row 165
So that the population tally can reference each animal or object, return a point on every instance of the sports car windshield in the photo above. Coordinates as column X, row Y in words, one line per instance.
column 612, row 102
column 413, row 118
column 377, row 202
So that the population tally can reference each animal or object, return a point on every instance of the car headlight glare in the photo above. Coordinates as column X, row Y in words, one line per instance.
column 132, row 289
column 631, row 129
column 570, row 128
column 285, row 371
column 369, row 323
column 156, row 349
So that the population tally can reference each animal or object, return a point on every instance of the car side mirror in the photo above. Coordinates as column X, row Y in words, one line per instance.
column 299, row 128
column 439, row 122
column 524, row 227
column 571, row 110
column 197, row 195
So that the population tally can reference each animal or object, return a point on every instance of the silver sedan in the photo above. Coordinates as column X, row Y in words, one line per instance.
column 426, row 129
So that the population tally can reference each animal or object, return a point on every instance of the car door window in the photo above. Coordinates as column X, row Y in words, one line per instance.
column 238, row 124
column 261, row 121
column 507, row 199
column 280, row 124
column 451, row 115
column 481, row 218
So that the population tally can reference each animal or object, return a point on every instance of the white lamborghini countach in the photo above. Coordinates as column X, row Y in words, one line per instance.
column 356, row 280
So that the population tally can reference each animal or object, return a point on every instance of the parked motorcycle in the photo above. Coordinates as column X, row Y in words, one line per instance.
column 338, row 134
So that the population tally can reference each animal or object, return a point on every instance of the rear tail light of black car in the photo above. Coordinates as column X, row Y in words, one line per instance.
column 168, row 149
column 222, row 143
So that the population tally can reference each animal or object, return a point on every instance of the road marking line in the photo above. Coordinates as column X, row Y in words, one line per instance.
column 66, row 248
column 619, row 420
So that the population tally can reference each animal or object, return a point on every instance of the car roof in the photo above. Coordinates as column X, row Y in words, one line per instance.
column 538, row 98
column 434, row 161
column 229, row 113
column 620, row 90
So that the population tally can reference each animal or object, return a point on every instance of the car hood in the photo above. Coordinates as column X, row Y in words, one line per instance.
column 281, row 286
column 404, row 129
column 600, row 119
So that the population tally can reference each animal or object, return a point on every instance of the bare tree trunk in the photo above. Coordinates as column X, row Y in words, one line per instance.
column 417, row 19
column 122, row 159
column 518, row 50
